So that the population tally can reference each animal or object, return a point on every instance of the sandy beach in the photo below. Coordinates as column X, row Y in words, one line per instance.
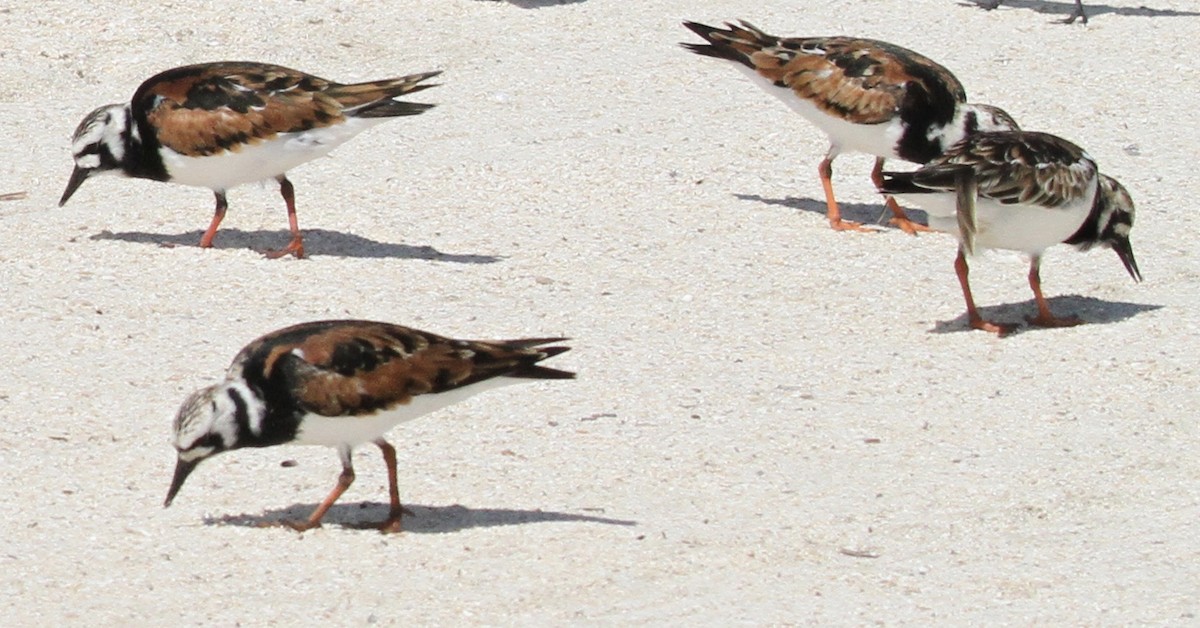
column 774, row 423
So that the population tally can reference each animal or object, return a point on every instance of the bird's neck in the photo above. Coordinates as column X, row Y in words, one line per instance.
column 1088, row 234
column 142, row 159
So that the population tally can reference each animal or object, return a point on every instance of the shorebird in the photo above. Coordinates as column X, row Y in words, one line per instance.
column 867, row 96
column 342, row 383
column 1022, row 191
column 220, row 125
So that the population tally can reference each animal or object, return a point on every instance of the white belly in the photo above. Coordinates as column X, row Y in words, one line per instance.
column 1013, row 227
column 873, row 139
column 355, row 430
column 264, row 160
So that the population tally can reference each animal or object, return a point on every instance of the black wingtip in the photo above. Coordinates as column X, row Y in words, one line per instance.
column 717, row 47
column 703, row 30
column 393, row 109
column 419, row 84
column 541, row 372
column 899, row 183
column 553, row 351
column 532, row 369
column 525, row 343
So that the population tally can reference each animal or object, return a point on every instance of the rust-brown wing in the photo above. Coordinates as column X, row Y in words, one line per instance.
column 864, row 81
column 209, row 108
column 338, row 368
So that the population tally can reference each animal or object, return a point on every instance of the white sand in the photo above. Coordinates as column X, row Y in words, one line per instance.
column 773, row 422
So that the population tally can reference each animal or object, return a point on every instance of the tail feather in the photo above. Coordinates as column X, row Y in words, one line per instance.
column 373, row 99
column 532, row 370
column 525, row 343
column 736, row 43
column 957, row 178
column 900, row 183
column 392, row 109
column 966, row 188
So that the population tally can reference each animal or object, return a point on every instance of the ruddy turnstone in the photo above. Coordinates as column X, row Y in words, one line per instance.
column 867, row 96
column 342, row 383
column 1077, row 14
column 219, row 125
column 1022, row 191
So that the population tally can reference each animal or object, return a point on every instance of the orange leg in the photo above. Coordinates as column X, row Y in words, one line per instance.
column 344, row 481
column 296, row 246
column 976, row 321
column 825, row 171
column 1044, row 317
column 392, row 524
column 218, row 216
column 899, row 217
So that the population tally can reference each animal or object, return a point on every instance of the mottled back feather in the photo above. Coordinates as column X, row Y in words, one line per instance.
column 209, row 108
column 357, row 367
column 864, row 81
column 1012, row 167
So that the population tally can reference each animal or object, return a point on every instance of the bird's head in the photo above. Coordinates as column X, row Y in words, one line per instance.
column 1117, row 221
column 206, row 425
column 99, row 145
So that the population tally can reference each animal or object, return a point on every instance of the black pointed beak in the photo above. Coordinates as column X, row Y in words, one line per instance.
column 1125, row 251
column 78, row 176
column 183, row 468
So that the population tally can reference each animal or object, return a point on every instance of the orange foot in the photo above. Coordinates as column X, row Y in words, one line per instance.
column 850, row 225
column 1054, row 321
column 389, row 526
column 295, row 247
column 1000, row 329
column 908, row 226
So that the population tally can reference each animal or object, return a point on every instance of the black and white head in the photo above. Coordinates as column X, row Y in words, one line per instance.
column 1116, row 221
column 973, row 118
column 100, row 145
column 989, row 118
column 206, row 425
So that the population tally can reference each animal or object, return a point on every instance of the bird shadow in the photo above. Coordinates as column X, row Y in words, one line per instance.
column 420, row 520
column 1090, row 309
column 316, row 242
column 537, row 4
column 1067, row 8
column 866, row 213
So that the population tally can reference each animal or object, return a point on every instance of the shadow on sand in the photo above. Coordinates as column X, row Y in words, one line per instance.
column 422, row 520
column 316, row 242
column 537, row 4
column 1066, row 8
column 1093, row 311
column 874, row 215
